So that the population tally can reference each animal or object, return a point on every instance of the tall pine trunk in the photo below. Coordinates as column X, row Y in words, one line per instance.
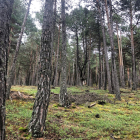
column 57, row 54
column 115, row 81
column 5, row 15
column 63, row 97
column 99, row 49
column 89, row 63
column 37, row 124
column 34, row 79
column 105, row 49
column 134, row 86
column 121, row 68
column 77, row 59
column 12, row 70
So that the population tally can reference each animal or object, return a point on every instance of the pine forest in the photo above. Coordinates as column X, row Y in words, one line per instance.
column 69, row 69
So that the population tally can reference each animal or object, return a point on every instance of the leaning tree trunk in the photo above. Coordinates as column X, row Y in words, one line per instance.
column 63, row 98
column 37, row 124
column 105, row 49
column 5, row 15
column 12, row 70
column 115, row 80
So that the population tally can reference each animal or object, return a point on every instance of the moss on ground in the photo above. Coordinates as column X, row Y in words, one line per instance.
column 119, row 120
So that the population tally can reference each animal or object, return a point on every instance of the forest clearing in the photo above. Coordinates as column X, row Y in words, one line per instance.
column 116, row 120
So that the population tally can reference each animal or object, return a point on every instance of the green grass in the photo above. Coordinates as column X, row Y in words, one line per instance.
column 30, row 90
column 56, row 90
column 121, row 120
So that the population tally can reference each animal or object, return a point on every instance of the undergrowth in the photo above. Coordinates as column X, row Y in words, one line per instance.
column 119, row 120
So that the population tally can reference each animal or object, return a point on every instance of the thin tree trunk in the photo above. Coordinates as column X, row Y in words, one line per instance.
column 128, row 78
column 30, row 68
column 73, row 79
column 77, row 59
column 88, row 68
column 105, row 84
column 134, row 86
column 35, row 69
column 105, row 50
column 15, row 79
column 5, row 16
column 122, row 64
column 139, row 74
column 99, row 49
column 103, row 69
column 37, row 124
column 89, row 61
column 57, row 54
column 63, row 97
column 12, row 70
column 69, row 75
column 52, row 73
column 10, row 42
column 96, row 72
column 115, row 80
column 53, row 41
column 121, row 60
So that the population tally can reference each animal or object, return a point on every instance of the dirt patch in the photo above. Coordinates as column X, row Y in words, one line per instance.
column 77, row 98
column 20, row 95
column 82, row 98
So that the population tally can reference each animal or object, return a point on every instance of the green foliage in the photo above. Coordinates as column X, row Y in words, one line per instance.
column 22, row 129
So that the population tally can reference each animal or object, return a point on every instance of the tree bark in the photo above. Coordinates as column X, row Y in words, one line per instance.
column 35, row 69
column 122, row 63
column 77, row 59
column 134, row 86
column 99, row 49
column 105, row 49
column 37, row 123
column 11, row 73
column 121, row 68
column 128, row 78
column 63, row 98
column 57, row 54
column 89, row 63
column 5, row 16
column 115, row 81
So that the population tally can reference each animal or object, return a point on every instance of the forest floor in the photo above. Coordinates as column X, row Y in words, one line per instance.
column 107, row 119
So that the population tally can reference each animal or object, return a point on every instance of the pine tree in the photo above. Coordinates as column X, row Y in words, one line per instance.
column 11, row 74
column 105, row 46
column 5, row 15
column 37, row 124
column 132, row 6
column 115, row 81
column 63, row 97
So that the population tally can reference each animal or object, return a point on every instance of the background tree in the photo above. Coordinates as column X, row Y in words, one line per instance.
column 115, row 82
column 10, row 78
column 132, row 6
column 105, row 47
column 63, row 97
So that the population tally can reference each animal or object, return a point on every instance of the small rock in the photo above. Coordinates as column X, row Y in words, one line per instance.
column 97, row 116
